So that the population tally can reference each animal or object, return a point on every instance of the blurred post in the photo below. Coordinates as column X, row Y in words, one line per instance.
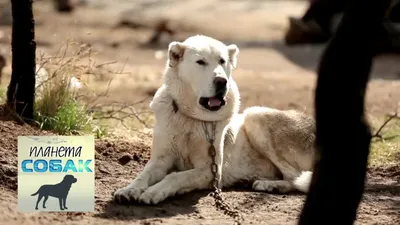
column 343, row 136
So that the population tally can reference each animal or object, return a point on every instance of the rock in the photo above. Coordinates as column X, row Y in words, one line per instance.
column 8, row 170
column 136, row 158
column 108, row 145
column 125, row 159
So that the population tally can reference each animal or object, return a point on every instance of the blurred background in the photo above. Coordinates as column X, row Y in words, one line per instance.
column 113, row 54
column 117, row 49
column 278, row 54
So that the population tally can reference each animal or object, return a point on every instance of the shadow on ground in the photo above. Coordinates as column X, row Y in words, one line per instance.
column 180, row 204
column 307, row 56
column 383, row 189
column 188, row 204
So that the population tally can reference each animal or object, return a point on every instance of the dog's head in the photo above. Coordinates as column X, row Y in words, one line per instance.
column 69, row 179
column 203, row 67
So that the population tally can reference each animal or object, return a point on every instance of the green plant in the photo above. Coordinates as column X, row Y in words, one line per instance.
column 66, row 110
column 2, row 95
column 385, row 146
column 100, row 131
column 70, row 117
column 57, row 106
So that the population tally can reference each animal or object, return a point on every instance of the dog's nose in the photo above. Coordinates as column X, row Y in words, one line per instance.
column 220, row 84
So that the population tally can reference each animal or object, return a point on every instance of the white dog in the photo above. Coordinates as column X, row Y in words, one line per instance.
column 271, row 148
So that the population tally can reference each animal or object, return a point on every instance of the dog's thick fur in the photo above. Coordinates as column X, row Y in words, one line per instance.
column 59, row 191
column 271, row 148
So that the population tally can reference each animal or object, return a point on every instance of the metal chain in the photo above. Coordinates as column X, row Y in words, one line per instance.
column 216, row 194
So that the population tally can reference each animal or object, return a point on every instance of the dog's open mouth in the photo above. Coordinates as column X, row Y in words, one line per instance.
column 213, row 103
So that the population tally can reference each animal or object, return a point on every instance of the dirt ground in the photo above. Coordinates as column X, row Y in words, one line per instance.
column 269, row 73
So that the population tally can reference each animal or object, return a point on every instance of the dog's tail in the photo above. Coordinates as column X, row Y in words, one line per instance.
column 302, row 182
column 35, row 193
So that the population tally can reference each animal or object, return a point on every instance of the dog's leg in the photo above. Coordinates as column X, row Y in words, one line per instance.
column 65, row 202
column 44, row 201
column 260, row 139
column 288, row 171
column 153, row 172
column 60, row 203
column 177, row 183
column 186, row 181
column 273, row 186
column 38, row 200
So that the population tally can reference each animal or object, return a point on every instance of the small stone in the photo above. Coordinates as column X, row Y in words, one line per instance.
column 125, row 159
column 9, row 170
column 136, row 158
column 115, row 44
column 104, row 170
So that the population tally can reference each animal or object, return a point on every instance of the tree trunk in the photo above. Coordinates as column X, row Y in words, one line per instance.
column 21, row 90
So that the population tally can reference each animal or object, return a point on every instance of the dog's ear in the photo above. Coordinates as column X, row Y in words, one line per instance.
column 175, row 53
column 233, row 52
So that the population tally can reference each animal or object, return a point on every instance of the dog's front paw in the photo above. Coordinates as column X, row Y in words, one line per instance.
column 154, row 196
column 127, row 194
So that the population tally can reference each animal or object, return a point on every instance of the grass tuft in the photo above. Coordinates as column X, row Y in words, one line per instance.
column 65, row 109
column 386, row 150
column 71, row 117
column 57, row 106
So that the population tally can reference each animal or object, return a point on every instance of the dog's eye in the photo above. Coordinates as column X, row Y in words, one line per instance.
column 221, row 61
column 201, row 62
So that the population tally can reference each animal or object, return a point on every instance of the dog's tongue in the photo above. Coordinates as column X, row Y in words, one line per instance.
column 214, row 102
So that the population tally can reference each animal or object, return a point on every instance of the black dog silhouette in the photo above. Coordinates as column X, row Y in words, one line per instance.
column 59, row 191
